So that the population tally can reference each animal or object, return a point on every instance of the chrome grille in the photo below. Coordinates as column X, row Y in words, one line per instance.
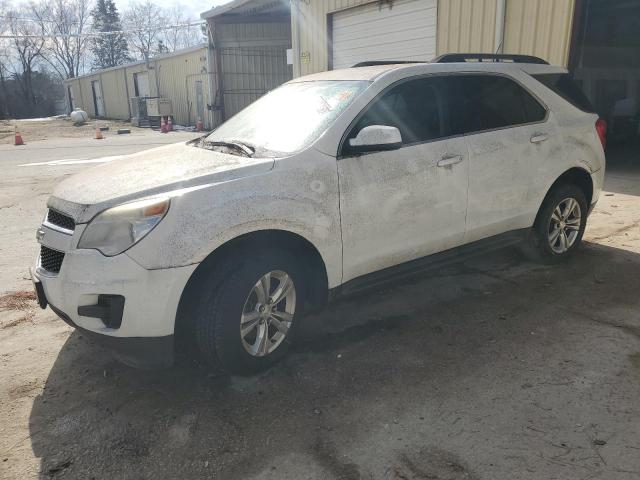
column 60, row 220
column 50, row 259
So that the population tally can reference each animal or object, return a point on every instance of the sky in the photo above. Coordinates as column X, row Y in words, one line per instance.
column 192, row 8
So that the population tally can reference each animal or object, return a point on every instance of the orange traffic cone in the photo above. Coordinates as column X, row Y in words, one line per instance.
column 163, row 126
column 169, row 124
column 98, row 135
column 18, row 138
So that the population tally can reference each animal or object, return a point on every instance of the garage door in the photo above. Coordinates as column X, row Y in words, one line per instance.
column 398, row 30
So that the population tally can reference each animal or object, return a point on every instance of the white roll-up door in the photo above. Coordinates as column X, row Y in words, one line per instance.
column 398, row 30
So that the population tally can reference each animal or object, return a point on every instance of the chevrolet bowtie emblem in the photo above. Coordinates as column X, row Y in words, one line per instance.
column 39, row 235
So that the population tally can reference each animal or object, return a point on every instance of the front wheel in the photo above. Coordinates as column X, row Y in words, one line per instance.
column 560, row 225
column 247, row 322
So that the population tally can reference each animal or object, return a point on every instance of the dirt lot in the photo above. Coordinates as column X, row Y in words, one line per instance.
column 493, row 369
column 34, row 130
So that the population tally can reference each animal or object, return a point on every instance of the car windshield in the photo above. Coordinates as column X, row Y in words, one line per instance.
column 289, row 118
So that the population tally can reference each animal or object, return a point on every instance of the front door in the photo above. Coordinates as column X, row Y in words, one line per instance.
column 400, row 205
column 98, row 101
column 72, row 102
column 141, row 84
column 199, row 101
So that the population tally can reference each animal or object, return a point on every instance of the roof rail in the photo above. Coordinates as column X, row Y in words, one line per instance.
column 374, row 63
column 488, row 57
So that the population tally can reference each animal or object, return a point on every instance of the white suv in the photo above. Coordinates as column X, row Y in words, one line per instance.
column 331, row 183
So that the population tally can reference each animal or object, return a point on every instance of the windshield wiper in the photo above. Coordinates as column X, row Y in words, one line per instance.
column 242, row 147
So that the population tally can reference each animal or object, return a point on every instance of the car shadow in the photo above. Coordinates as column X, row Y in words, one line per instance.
column 623, row 169
column 396, row 363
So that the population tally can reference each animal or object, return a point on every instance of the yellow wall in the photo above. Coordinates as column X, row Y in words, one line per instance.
column 466, row 26
column 533, row 27
column 536, row 27
column 539, row 27
column 114, row 94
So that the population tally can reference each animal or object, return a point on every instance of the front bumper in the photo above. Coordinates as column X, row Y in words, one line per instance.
column 144, row 337
column 138, row 352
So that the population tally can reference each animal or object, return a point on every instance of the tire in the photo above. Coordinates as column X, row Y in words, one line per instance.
column 232, row 296
column 540, row 245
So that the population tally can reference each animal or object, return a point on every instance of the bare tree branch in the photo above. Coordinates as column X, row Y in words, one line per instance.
column 178, row 36
column 65, row 21
column 27, row 47
column 146, row 17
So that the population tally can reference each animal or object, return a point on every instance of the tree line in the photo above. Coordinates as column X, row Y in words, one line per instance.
column 46, row 41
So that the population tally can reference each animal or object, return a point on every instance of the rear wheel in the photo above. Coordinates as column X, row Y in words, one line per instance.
column 560, row 225
column 247, row 322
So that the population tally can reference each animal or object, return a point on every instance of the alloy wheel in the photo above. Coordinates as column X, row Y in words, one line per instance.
column 564, row 225
column 267, row 314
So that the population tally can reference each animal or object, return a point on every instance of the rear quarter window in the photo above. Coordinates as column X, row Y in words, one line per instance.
column 564, row 85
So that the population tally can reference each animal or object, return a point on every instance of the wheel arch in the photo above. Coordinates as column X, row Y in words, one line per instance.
column 317, row 284
column 574, row 176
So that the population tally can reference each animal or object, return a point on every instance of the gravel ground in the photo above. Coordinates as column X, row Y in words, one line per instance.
column 492, row 369
column 51, row 128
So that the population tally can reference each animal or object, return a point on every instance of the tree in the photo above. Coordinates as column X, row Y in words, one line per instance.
column 177, row 35
column 65, row 24
column 155, row 30
column 28, row 43
column 161, row 48
column 4, row 62
column 145, row 21
column 108, row 50
column 4, row 76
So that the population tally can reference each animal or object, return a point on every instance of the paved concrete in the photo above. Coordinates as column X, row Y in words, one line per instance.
column 493, row 369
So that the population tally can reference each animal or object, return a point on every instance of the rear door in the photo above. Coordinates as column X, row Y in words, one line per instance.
column 511, row 139
column 400, row 205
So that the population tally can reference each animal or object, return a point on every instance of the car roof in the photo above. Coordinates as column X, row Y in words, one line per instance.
column 373, row 72
column 369, row 73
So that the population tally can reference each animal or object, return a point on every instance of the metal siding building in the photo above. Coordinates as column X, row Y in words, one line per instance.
column 539, row 27
column 183, row 77
column 249, row 40
column 253, row 61
column 466, row 26
column 536, row 27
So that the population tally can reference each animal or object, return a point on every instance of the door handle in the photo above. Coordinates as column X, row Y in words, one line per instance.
column 449, row 160
column 539, row 137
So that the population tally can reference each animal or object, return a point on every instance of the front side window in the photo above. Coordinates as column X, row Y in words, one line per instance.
column 289, row 118
column 414, row 107
column 489, row 102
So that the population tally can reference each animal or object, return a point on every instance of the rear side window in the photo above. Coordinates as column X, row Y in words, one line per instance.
column 564, row 85
column 490, row 102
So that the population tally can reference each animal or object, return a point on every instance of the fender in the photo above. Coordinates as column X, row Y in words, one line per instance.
column 301, row 199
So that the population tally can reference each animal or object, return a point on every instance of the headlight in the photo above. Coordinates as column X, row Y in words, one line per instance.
column 119, row 228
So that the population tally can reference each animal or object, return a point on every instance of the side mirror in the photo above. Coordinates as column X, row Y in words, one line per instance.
column 375, row 138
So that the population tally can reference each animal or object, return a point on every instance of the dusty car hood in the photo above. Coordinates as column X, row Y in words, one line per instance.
column 150, row 172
